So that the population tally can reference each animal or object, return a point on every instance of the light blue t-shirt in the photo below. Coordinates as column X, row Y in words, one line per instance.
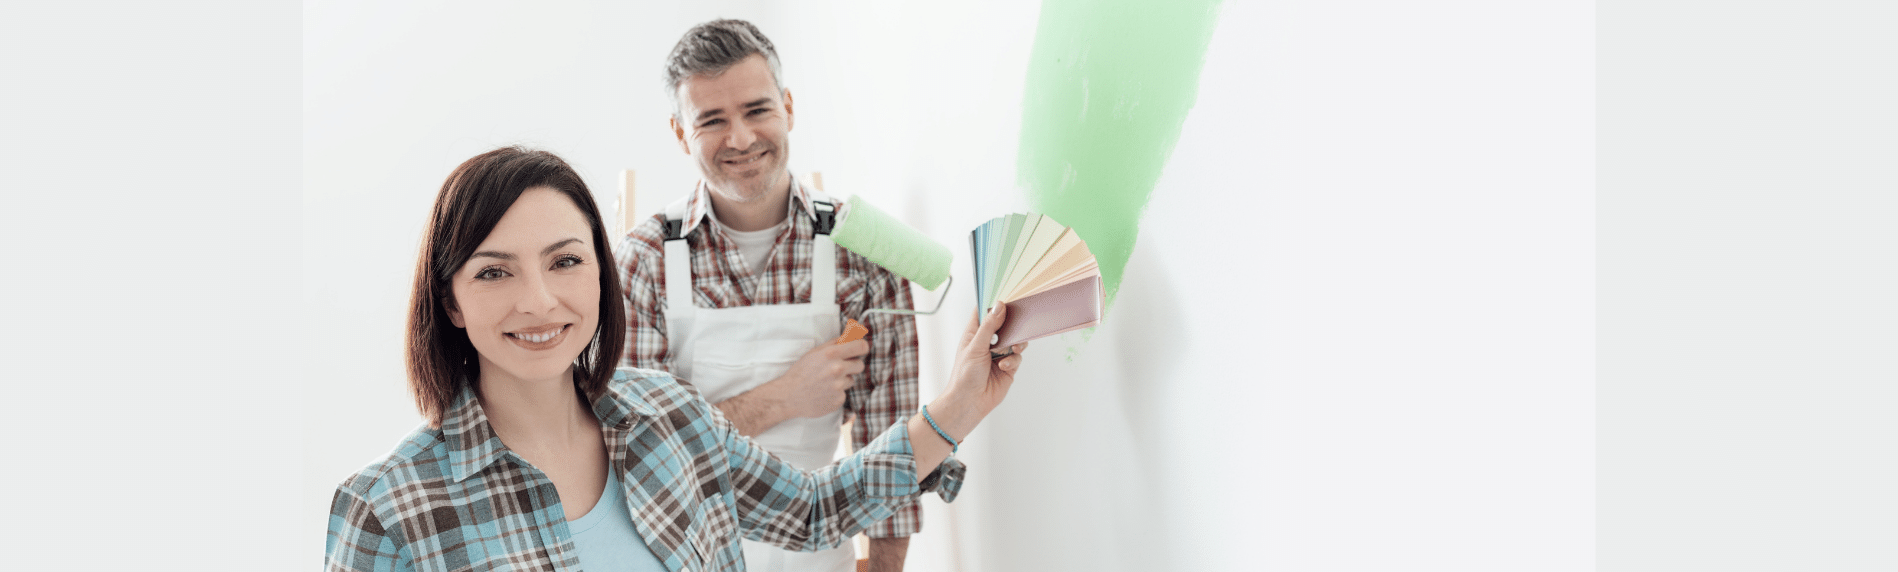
column 605, row 536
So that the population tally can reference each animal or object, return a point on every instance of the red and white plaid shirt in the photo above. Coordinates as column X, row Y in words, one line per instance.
column 883, row 395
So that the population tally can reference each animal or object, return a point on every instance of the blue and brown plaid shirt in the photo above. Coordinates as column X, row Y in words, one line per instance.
column 455, row 498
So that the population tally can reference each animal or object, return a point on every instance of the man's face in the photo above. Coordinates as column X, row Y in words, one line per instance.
column 737, row 127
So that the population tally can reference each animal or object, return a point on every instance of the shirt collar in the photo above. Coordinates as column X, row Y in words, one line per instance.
column 473, row 445
column 621, row 402
column 699, row 208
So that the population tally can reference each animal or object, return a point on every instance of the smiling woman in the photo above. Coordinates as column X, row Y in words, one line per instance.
column 464, row 273
column 537, row 454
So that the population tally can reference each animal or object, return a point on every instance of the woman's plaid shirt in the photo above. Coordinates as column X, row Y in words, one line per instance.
column 455, row 498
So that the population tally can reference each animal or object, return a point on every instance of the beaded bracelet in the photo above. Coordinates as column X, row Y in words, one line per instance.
column 953, row 445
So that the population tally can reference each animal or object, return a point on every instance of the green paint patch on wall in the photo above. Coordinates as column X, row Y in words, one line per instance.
column 1109, row 85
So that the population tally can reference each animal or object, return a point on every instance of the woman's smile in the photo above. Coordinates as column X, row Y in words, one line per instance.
column 540, row 338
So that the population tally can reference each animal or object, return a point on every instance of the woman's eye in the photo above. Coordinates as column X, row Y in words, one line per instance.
column 567, row 261
column 490, row 274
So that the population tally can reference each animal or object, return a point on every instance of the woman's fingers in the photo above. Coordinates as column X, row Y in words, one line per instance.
column 990, row 324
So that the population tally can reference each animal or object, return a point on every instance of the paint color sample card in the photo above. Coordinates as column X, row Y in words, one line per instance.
column 1041, row 270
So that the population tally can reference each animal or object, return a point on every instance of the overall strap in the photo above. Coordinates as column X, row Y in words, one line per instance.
column 679, row 291
column 823, row 251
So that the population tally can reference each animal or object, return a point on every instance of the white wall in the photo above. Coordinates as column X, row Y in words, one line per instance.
column 1356, row 333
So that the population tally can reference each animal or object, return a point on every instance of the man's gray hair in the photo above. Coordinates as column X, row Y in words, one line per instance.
column 713, row 47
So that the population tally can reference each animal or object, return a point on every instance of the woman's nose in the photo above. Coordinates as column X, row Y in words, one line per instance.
column 539, row 297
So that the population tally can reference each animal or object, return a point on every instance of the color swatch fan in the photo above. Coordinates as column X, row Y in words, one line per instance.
column 1041, row 270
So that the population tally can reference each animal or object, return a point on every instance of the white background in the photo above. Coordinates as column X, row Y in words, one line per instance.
column 1361, row 262
column 1358, row 331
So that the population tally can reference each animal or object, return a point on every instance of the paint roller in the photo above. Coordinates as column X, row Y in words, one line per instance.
column 896, row 247
column 880, row 238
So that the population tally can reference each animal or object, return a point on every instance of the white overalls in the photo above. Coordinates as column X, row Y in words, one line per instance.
column 725, row 352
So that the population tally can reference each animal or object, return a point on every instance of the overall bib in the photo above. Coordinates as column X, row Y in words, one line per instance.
column 725, row 352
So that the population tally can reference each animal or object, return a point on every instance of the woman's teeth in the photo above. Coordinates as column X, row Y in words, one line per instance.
column 538, row 338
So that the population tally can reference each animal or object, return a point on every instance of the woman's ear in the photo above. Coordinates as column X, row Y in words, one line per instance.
column 454, row 313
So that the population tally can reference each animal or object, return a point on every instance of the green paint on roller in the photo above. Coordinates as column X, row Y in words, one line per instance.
column 891, row 244
column 1109, row 85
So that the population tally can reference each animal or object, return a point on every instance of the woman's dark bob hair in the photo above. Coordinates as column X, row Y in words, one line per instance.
column 441, row 360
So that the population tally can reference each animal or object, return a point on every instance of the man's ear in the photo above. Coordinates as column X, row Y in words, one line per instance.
column 790, row 117
column 678, row 132
column 454, row 313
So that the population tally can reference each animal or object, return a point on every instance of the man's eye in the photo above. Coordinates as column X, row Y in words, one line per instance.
column 711, row 123
column 758, row 111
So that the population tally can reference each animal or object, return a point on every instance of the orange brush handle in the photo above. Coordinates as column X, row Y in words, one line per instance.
column 853, row 331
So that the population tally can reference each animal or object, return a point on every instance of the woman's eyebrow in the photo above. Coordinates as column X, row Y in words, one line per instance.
column 557, row 245
column 510, row 257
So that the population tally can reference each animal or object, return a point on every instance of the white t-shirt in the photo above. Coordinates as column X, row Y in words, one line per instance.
column 755, row 246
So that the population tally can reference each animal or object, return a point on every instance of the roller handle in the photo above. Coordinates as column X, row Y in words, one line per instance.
column 853, row 331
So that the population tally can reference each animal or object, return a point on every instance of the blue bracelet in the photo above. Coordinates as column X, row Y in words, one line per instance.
column 953, row 445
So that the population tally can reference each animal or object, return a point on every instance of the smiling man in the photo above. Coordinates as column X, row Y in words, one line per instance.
column 737, row 289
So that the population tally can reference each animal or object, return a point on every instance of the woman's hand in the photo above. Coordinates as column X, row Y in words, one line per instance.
column 979, row 376
column 977, row 383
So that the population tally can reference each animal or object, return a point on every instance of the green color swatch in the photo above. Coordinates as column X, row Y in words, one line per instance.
column 1109, row 85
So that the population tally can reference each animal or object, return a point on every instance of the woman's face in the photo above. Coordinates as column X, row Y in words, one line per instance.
column 530, row 296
